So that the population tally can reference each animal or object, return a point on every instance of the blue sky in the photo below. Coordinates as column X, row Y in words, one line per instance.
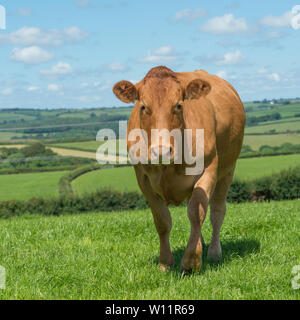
column 70, row 53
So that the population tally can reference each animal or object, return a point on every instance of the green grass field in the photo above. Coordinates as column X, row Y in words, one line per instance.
column 256, row 141
column 5, row 135
column 123, row 179
column 283, row 126
column 252, row 168
column 85, row 114
column 114, row 256
column 294, row 119
column 26, row 114
column 286, row 111
column 8, row 116
column 91, row 146
column 29, row 185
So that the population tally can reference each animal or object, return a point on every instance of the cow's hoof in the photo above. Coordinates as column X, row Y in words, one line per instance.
column 184, row 271
column 187, row 269
column 214, row 253
column 164, row 267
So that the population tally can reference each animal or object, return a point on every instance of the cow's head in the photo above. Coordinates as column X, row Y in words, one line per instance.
column 161, row 99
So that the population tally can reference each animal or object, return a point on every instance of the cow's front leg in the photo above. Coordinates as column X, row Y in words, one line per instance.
column 197, row 207
column 163, row 224
column 161, row 217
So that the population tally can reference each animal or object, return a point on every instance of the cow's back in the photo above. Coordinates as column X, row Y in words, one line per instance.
column 229, row 114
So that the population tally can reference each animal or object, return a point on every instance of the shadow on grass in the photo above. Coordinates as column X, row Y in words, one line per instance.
column 230, row 250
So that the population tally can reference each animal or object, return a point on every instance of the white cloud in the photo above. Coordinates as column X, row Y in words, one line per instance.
column 226, row 24
column 84, row 85
column 82, row 3
column 89, row 99
column 261, row 78
column 101, row 86
column 277, row 21
column 7, row 91
column 32, row 88
column 61, row 68
column 275, row 77
column 274, row 34
column 164, row 50
column 74, row 34
column 115, row 67
column 31, row 36
column 222, row 74
column 83, row 98
column 231, row 58
column 232, row 5
column 53, row 87
column 24, row 12
column 163, row 54
column 95, row 87
column 30, row 55
column 262, row 70
column 189, row 15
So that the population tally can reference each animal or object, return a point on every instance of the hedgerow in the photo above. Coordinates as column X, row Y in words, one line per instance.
column 282, row 186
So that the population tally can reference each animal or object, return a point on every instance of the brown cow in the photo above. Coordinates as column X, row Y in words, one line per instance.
column 187, row 100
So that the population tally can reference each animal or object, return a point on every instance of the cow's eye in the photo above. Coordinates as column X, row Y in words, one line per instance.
column 179, row 107
column 143, row 108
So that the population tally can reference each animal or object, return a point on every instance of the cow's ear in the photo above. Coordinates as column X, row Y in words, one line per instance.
column 197, row 88
column 125, row 91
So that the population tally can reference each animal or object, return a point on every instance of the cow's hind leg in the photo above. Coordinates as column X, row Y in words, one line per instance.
column 217, row 214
